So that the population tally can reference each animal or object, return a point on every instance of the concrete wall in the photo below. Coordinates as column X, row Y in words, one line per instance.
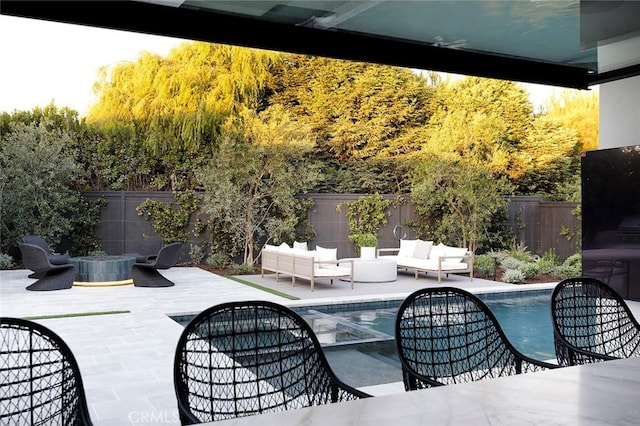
column 620, row 113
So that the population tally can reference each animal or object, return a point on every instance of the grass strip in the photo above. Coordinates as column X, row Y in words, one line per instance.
column 259, row 287
column 79, row 314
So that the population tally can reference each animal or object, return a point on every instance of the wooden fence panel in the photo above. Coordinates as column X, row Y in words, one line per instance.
column 535, row 222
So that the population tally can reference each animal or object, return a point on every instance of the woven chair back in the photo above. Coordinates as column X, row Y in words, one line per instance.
column 40, row 382
column 447, row 335
column 592, row 322
column 245, row 358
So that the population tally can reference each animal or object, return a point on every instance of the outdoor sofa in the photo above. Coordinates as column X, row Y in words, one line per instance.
column 311, row 265
column 424, row 256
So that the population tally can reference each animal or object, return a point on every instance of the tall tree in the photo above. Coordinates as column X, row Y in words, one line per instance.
column 176, row 105
column 481, row 122
column 251, row 182
column 550, row 158
column 456, row 201
column 357, row 110
column 39, row 178
column 578, row 110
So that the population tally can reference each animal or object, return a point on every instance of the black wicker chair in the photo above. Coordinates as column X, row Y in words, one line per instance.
column 591, row 323
column 245, row 358
column 40, row 382
column 145, row 274
column 447, row 335
column 55, row 259
column 148, row 249
column 49, row 276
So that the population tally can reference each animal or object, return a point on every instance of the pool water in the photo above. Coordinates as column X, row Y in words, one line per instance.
column 525, row 317
column 358, row 338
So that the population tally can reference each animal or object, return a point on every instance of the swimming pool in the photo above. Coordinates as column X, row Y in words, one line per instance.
column 524, row 316
column 358, row 337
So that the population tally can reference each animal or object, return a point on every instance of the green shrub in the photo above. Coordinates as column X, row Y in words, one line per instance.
column 571, row 267
column 242, row 269
column 218, row 260
column 39, row 181
column 568, row 271
column 498, row 256
column 511, row 263
column 530, row 270
column 197, row 253
column 98, row 252
column 513, row 276
column 550, row 257
column 171, row 220
column 6, row 261
column 485, row 264
column 519, row 251
column 574, row 259
column 364, row 240
column 546, row 265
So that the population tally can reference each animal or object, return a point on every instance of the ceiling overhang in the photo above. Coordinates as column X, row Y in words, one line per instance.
column 325, row 34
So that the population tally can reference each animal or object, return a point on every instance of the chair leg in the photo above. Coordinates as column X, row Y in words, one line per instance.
column 148, row 277
column 61, row 279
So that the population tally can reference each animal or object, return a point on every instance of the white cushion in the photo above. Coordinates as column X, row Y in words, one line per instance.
column 270, row 247
column 438, row 251
column 454, row 266
column 456, row 251
column 284, row 246
column 422, row 249
column 300, row 246
column 407, row 247
column 338, row 271
column 430, row 264
column 326, row 254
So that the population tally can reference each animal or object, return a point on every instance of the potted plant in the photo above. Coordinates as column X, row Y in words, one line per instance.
column 367, row 244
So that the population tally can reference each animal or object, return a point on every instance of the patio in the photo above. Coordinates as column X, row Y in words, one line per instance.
column 126, row 359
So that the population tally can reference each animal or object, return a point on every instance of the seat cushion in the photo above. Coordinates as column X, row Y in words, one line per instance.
column 338, row 271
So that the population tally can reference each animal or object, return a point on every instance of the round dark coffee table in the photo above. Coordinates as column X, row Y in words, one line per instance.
column 103, row 270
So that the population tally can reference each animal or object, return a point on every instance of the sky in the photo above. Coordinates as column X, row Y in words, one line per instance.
column 48, row 61
column 45, row 62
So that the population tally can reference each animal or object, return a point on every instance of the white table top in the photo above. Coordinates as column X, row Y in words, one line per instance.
column 596, row 394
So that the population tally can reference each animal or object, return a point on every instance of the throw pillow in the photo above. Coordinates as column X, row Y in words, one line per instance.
column 456, row 251
column 422, row 249
column 284, row 246
column 300, row 246
column 407, row 248
column 438, row 251
column 326, row 254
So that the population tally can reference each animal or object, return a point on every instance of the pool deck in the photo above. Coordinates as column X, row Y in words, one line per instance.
column 126, row 359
